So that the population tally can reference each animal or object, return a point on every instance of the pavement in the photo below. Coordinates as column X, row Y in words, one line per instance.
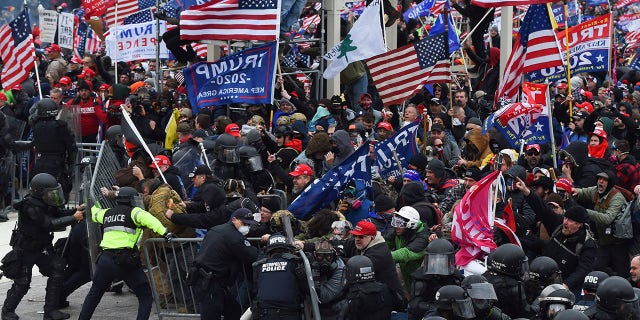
column 124, row 306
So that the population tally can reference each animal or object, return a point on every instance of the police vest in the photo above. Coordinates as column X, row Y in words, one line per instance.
column 119, row 219
column 49, row 136
column 278, row 272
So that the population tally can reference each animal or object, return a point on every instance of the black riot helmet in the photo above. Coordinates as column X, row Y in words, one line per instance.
column 592, row 280
column 360, row 269
column 613, row 292
column 544, row 271
column 510, row 260
column 128, row 196
column 45, row 187
column 114, row 136
column 456, row 299
column 439, row 258
column 250, row 156
column 555, row 300
column 47, row 108
column 278, row 243
column 227, row 148
column 571, row 315
column 481, row 292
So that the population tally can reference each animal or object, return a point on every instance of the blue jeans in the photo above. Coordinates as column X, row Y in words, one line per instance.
column 216, row 302
column 290, row 13
column 106, row 271
column 355, row 90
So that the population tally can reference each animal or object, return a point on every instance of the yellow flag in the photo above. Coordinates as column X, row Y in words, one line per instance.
column 170, row 130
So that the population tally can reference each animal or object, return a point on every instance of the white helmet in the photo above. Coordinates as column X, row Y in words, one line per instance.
column 406, row 217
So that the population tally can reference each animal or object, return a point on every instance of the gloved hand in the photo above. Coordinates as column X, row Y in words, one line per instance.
column 169, row 236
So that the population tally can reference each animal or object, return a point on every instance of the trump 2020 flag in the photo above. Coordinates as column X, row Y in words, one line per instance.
column 473, row 219
column 635, row 61
column 243, row 77
column 540, row 131
column 513, row 120
column 403, row 142
column 438, row 28
column 323, row 191
column 364, row 40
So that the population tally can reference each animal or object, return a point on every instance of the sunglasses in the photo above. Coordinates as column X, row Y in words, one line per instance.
column 533, row 153
column 438, row 145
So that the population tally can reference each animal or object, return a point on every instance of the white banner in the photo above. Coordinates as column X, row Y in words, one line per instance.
column 135, row 42
column 48, row 22
column 65, row 30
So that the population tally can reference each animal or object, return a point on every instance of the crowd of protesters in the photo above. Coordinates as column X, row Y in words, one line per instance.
column 223, row 159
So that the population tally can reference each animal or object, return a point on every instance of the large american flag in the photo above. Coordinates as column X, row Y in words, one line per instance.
column 399, row 73
column 536, row 48
column 231, row 20
column 506, row 3
column 125, row 9
column 140, row 17
column 85, row 40
column 16, row 50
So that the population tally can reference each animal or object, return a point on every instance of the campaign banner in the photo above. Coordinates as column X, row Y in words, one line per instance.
column 623, row 21
column 403, row 142
column 558, row 14
column 243, row 77
column 48, row 21
column 135, row 42
column 623, row 3
column 589, row 46
column 65, row 30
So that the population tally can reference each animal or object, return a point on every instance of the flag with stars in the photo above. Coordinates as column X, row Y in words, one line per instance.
column 540, row 131
column 589, row 43
column 323, row 191
column 16, row 50
column 139, row 17
column 231, row 20
column 513, row 120
column 399, row 73
column 403, row 142
column 125, row 9
column 635, row 61
column 438, row 27
column 364, row 40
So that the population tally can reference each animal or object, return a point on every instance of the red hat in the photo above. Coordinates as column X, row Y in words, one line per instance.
column 104, row 86
column 385, row 125
column 565, row 184
column 65, row 80
column 52, row 48
column 87, row 72
column 585, row 105
column 17, row 87
column 302, row 169
column 562, row 85
column 161, row 160
column 533, row 146
column 232, row 129
column 364, row 228
column 76, row 60
column 600, row 133
column 588, row 95
column 3, row 97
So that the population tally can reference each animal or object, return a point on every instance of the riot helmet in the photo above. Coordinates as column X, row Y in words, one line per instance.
column 114, row 136
column 592, row 280
column 227, row 148
column 481, row 292
column 571, row 315
column 613, row 292
column 325, row 255
column 454, row 298
column 554, row 300
column 433, row 318
column 47, row 108
column 278, row 243
column 510, row 260
column 439, row 258
column 360, row 269
column 406, row 217
column 129, row 196
column 544, row 271
column 250, row 156
column 45, row 187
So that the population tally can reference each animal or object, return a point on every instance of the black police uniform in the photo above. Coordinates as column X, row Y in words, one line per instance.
column 223, row 254
column 56, row 150
column 285, row 272
column 511, row 295
column 32, row 239
column 368, row 300
column 423, row 291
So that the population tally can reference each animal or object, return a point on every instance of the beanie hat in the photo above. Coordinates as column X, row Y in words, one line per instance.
column 555, row 198
column 577, row 213
column 437, row 167
column 383, row 203
column 564, row 184
column 419, row 161
column 271, row 204
column 83, row 85
column 412, row 175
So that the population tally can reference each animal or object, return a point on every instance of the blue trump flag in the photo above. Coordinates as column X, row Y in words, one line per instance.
column 323, row 191
column 438, row 28
column 635, row 62
column 420, row 10
column 405, row 145
column 513, row 120
column 243, row 77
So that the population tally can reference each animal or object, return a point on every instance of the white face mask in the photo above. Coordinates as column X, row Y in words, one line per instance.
column 243, row 230
column 457, row 122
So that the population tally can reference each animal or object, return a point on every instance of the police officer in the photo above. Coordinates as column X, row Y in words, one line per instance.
column 55, row 145
column 507, row 268
column 589, row 289
column 366, row 298
column 543, row 271
column 122, row 227
column 39, row 214
column 570, row 315
column 329, row 276
column 224, row 252
column 614, row 300
column 452, row 302
column 226, row 164
column 439, row 269
column 254, row 174
column 553, row 299
column 483, row 297
column 283, row 270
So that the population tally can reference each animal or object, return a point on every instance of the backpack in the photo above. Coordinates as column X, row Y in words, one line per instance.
column 621, row 227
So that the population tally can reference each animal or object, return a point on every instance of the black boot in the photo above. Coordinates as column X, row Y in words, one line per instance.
column 9, row 315
column 56, row 315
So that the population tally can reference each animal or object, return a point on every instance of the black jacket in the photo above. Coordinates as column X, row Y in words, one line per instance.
column 37, row 221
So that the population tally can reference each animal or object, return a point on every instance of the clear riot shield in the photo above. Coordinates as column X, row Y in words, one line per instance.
column 71, row 115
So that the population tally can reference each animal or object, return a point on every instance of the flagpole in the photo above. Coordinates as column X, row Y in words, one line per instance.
column 553, row 139
column 612, row 50
column 115, row 46
column 566, row 37
column 446, row 31
column 158, row 39
column 35, row 63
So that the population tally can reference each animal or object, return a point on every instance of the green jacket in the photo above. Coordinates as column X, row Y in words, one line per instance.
column 603, row 214
column 122, row 237
column 408, row 251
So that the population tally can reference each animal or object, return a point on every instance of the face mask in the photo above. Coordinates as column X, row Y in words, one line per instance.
column 457, row 122
column 243, row 230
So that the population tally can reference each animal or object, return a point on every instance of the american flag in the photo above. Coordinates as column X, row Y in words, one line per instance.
column 125, row 9
column 231, row 20
column 85, row 40
column 536, row 47
column 16, row 50
column 140, row 17
column 635, row 61
column 632, row 39
column 399, row 73
column 506, row 3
